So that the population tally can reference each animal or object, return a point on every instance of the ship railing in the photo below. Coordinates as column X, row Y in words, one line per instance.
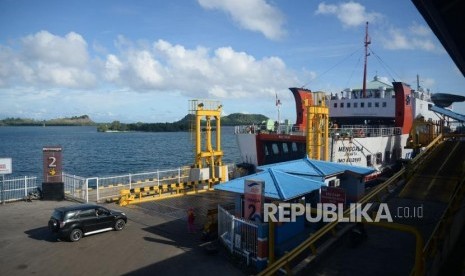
column 355, row 131
column 364, row 131
column 280, row 129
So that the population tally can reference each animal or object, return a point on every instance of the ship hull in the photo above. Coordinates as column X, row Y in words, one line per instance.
column 376, row 152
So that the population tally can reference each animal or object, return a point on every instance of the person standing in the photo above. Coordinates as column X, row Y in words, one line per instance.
column 190, row 220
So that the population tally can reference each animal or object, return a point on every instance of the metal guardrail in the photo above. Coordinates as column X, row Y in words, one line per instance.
column 96, row 189
column 373, row 195
column 231, row 227
column 281, row 129
column 356, row 131
column 17, row 188
column 360, row 132
column 444, row 227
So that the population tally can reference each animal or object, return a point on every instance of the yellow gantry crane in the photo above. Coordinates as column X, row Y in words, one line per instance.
column 207, row 153
column 317, row 128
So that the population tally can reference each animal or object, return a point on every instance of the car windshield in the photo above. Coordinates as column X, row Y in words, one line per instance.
column 57, row 215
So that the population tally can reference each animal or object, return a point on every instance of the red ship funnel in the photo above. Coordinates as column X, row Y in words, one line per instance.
column 303, row 98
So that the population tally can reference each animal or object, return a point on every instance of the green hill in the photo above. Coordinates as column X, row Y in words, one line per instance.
column 183, row 124
column 83, row 120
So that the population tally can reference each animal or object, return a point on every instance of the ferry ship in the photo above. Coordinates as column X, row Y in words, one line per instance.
column 369, row 126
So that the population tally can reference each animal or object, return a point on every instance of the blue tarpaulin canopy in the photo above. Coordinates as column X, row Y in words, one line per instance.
column 278, row 184
column 292, row 179
column 317, row 168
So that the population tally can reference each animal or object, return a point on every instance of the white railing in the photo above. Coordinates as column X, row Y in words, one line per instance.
column 357, row 131
column 18, row 188
column 238, row 235
column 75, row 187
column 97, row 189
column 281, row 129
column 361, row 131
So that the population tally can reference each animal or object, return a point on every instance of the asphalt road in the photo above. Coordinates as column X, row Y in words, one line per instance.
column 150, row 244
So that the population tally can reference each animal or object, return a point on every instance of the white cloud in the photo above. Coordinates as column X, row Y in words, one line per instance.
column 419, row 30
column 351, row 14
column 415, row 38
column 254, row 15
column 427, row 82
column 158, row 68
column 47, row 60
column 113, row 67
column 198, row 72
column 147, row 71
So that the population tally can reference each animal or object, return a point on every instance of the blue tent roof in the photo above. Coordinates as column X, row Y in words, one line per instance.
column 316, row 168
column 278, row 184
column 292, row 179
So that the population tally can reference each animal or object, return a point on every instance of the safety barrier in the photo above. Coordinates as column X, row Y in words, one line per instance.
column 17, row 188
column 375, row 195
column 150, row 193
column 438, row 247
column 75, row 187
column 238, row 235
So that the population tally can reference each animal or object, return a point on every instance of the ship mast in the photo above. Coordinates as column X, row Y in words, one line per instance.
column 367, row 42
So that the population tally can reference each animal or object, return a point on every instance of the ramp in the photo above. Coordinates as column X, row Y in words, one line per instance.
column 437, row 178
column 448, row 113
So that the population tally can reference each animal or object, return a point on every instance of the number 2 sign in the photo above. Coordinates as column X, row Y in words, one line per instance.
column 52, row 164
column 253, row 199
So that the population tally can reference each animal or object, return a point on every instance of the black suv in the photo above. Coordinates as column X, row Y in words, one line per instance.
column 74, row 222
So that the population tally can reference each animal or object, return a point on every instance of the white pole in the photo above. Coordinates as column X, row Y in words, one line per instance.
column 98, row 196
column 2, row 190
column 25, row 186
column 130, row 181
column 158, row 178
column 87, row 190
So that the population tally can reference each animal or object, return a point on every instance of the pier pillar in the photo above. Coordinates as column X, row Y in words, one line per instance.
column 52, row 186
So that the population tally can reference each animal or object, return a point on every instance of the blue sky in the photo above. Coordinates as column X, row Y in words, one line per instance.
column 143, row 60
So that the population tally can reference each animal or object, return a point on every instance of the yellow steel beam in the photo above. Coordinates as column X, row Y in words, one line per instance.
column 209, row 156
column 317, row 132
column 150, row 198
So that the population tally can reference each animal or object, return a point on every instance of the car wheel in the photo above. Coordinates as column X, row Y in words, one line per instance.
column 75, row 235
column 119, row 224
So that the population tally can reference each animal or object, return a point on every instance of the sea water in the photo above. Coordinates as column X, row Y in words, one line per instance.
column 88, row 153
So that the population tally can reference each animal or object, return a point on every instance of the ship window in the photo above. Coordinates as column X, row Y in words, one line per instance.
column 335, row 105
column 362, row 105
column 387, row 157
column 275, row 149
column 384, row 104
column 369, row 104
column 285, row 148
column 376, row 104
column 355, row 105
column 294, row 147
column 379, row 158
column 342, row 105
column 348, row 105
column 266, row 151
column 369, row 164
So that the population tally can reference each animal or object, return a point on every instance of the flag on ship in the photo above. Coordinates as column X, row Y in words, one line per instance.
column 278, row 101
